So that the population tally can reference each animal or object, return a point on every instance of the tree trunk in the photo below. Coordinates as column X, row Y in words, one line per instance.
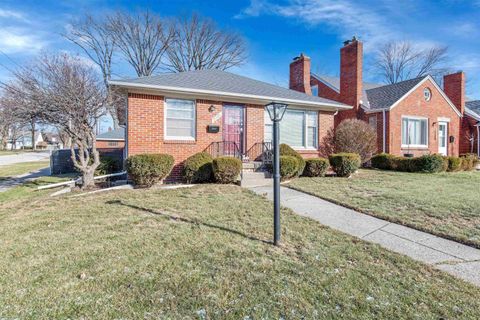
column 34, row 147
column 87, row 179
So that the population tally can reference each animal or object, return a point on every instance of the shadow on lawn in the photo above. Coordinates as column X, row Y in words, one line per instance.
column 193, row 222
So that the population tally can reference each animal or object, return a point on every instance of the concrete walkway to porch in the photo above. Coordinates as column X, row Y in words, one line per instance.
column 457, row 259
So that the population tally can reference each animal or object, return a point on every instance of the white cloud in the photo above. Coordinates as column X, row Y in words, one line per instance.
column 13, row 40
column 4, row 13
column 345, row 17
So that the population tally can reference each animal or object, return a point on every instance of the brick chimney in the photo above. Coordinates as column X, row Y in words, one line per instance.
column 454, row 88
column 300, row 74
column 351, row 73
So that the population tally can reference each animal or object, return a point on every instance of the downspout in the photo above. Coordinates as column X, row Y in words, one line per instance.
column 478, row 139
column 384, row 131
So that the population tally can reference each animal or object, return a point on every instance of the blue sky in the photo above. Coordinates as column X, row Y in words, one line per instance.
column 275, row 31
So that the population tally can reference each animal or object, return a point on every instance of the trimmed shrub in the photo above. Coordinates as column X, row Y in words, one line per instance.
column 288, row 167
column 286, row 150
column 429, row 163
column 226, row 169
column 316, row 167
column 198, row 168
column 145, row 170
column 454, row 164
column 383, row 161
column 108, row 165
column 344, row 164
column 469, row 161
column 404, row 164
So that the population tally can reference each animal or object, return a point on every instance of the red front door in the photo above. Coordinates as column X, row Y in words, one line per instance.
column 233, row 128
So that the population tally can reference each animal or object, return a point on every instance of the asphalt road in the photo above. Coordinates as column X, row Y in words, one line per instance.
column 24, row 157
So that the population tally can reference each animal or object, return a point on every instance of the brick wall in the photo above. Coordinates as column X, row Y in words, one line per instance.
column 300, row 74
column 325, row 91
column 468, row 129
column 454, row 88
column 110, row 144
column 415, row 105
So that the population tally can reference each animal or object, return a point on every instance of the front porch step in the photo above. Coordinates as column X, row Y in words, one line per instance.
column 255, row 179
column 252, row 166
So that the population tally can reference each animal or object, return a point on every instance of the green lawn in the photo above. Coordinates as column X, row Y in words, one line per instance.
column 12, row 170
column 203, row 253
column 445, row 204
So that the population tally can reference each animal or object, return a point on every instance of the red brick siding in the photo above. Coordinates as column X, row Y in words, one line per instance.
column 415, row 105
column 468, row 128
column 454, row 88
column 110, row 144
column 254, row 130
column 300, row 75
column 325, row 91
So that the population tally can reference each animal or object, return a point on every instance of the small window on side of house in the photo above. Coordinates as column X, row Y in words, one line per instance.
column 372, row 121
column 113, row 143
column 427, row 94
column 315, row 90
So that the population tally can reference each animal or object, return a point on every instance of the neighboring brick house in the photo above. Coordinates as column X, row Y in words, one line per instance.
column 113, row 139
column 470, row 139
column 218, row 112
column 411, row 117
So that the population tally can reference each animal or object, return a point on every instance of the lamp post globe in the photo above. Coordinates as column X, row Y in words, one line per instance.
column 276, row 111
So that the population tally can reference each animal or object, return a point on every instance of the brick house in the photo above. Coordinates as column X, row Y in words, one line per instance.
column 411, row 117
column 218, row 112
column 111, row 139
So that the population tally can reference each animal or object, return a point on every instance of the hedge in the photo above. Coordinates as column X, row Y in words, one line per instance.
column 198, row 168
column 145, row 170
column 286, row 150
column 344, row 164
column 288, row 167
column 454, row 164
column 226, row 169
column 108, row 165
column 384, row 161
column 469, row 161
column 429, row 163
column 316, row 167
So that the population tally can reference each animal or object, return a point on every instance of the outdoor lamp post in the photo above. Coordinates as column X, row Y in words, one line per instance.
column 276, row 112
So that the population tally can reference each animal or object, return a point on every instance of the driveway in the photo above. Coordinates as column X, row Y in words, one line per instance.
column 24, row 157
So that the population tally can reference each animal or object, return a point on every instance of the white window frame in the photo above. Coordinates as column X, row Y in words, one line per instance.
column 305, row 112
column 423, row 146
column 180, row 138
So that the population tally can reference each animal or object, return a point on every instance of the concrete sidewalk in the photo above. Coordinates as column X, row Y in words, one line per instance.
column 21, row 179
column 457, row 259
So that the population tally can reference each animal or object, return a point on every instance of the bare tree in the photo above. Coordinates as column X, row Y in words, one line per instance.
column 9, row 123
column 94, row 36
column 70, row 97
column 398, row 61
column 142, row 39
column 198, row 44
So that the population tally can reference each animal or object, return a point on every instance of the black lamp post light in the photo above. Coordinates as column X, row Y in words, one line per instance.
column 276, row 111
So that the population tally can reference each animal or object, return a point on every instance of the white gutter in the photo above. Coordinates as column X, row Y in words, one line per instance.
column 384, row 131
column 265, row 99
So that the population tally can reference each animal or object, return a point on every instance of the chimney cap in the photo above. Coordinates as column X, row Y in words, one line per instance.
column 347, row 42
column 301, row 56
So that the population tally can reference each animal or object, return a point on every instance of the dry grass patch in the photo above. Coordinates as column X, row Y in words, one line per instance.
column 203, row 253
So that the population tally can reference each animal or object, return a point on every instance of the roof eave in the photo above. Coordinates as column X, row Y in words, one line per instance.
column 221, row 94
column 472, row 114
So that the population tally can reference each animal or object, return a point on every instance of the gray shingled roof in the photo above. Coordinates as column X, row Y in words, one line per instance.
column 224, row 82
column 473, row 107
column 118, row 134
column 376, row 96
column 385, row 96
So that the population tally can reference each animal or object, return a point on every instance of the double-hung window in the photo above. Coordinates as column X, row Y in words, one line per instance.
column 298, row 129
column 179, row 119
column 414, row 132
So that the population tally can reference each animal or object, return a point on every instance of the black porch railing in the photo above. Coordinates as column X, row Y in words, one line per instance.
column 261, row 151
column 224, row 149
